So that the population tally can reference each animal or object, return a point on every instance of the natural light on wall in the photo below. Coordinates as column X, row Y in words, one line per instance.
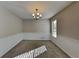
column 54, row 28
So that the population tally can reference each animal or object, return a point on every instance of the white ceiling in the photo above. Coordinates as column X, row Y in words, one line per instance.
column 24, row 9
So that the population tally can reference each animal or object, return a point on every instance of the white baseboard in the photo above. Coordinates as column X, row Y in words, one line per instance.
column 68, row 45
column 9, row 42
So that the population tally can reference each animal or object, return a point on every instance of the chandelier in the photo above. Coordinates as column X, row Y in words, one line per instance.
column 36, row 15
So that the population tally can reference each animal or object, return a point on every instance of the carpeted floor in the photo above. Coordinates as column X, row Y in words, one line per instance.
column 26, row 45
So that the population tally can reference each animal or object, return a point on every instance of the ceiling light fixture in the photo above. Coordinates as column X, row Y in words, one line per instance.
column 36, row 15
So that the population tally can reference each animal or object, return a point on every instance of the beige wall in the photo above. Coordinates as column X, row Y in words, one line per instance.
column 36, row 26
column 68, row 21
column 68, row 30
column 9, row 23
column 28, row 26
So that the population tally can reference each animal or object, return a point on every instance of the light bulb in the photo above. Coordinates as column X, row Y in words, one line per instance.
column 40, row 15
column 33, row 14
column 37, row 13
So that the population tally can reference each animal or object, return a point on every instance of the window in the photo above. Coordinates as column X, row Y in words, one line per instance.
column 54, row 28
